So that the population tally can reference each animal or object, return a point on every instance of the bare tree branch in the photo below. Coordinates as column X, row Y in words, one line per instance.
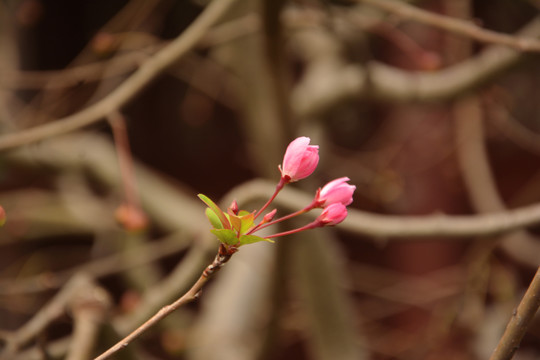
column 89, row 309
column 131, row 87
column 118, row 65
column 479, row 179
column 78, row 285
column 376, row 80
column 518, row 324
column 326, row 84
column 221, row 259
column 317, row 262
column 121, row 63
column 512, row 128
column 454, row 25
column 179, row 280
column 117, row 262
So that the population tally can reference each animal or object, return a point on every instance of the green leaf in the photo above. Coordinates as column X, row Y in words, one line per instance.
column 212, row 205
column 236, row 222
column 226, row 236
column 250, row 239
column 247, row 222
column 241, row 223
column 213, row 218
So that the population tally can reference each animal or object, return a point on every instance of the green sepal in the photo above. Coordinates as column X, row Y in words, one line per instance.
column 250, row 239
column 212, row 205
column 213, row 218
column 226, row 236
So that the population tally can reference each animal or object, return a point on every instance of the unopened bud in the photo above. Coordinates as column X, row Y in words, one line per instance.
column 233, row 208
column 300, row 160
column 104, row 44
column 2, row 216
column 336, row 191
column 269, row 217
column 131, row 218
column 333, row 214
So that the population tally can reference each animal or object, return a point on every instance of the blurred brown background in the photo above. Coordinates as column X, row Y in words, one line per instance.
column 424, row 120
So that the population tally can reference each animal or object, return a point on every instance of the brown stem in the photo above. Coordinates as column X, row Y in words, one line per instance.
column 518, row 324
column 148, row 71
column 457, row 26
column 223, row 255
column 78, row 286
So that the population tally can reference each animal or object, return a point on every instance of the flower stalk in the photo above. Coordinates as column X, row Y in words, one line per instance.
column 236, row 228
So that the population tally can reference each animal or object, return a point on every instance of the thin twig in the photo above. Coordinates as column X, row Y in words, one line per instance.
column 473, row 157
column 480, row 181
column 130, row 214
column 454, row 25
column 511, row 127
column 223, row 256
column 324, row 86
column 168, row 207
column 178, row 280
column 122, row 63
column 51, row 311
column 518, row 324
column 114, row 263
column 125, row 159
column 118, row 65
column 131, row 87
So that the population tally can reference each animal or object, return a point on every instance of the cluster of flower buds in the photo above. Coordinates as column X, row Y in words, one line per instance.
column 236, row 227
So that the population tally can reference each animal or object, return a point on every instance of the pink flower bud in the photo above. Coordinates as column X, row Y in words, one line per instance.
column 300, row 160
column 333, row 214
column 132, row 218
column 269, row 217
column 233, row 208
column 2, row 216
column 336, row 191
